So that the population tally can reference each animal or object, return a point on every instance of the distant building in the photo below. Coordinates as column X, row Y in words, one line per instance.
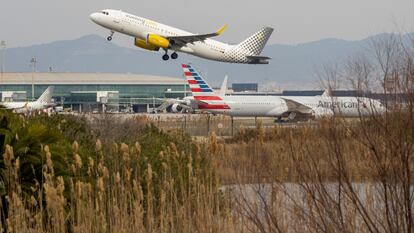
column 305, row 93
column 94, row 91
column 245, row 87
column 320, row 92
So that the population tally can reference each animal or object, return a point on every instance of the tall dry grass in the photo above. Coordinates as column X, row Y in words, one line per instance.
column 333, row 175
column 116, row 195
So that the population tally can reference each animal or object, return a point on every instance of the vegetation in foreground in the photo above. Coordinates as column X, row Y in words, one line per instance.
column 162, row 182
column 284, row 179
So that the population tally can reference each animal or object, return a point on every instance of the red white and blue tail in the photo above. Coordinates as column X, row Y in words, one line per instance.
column 202, row 92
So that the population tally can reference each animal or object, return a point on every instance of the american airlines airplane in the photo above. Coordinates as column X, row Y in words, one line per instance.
column 44, row 101
column 153, row 36
column 208, row 100
column 277, row 106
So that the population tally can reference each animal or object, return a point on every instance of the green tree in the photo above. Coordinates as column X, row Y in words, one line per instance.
column 28, row 140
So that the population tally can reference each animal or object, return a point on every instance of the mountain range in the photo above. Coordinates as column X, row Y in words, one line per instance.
column 292, row 66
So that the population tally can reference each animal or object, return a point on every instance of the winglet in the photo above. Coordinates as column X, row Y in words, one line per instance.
column 224, row 86
column 327, row 92
column 221, row 30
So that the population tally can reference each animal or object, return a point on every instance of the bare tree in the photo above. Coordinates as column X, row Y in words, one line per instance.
column 348, row 176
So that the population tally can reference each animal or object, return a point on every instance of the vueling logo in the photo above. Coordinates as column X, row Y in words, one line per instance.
column 337, row 104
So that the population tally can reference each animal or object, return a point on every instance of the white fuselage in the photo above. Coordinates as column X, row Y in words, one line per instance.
column 24, row 106
column 139, row 27
column 276, row 106
column 260, row 106
column 250, row 106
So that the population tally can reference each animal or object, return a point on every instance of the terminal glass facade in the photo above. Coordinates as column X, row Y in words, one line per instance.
column 242, row 87
column 77, row 93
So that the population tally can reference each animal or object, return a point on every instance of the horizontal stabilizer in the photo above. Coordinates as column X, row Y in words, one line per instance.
column 258, row 59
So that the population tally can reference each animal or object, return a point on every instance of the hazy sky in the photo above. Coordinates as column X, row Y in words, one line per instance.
column 27, row 22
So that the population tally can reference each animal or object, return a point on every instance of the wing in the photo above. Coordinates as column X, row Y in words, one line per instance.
column 163, row 106
column 183, row 40
column 296, row 106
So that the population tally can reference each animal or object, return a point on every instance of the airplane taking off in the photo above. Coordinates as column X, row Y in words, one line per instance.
column 154, row 36
column 44, row 101
column 277, row 106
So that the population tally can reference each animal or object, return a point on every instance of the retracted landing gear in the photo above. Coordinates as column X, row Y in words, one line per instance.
column 109, row 38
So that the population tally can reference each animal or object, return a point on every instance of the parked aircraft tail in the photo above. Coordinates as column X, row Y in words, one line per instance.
column 46, row 97
column 203, row 94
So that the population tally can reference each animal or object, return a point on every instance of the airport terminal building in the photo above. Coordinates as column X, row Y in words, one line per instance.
column 85, row 92
column 107, row 92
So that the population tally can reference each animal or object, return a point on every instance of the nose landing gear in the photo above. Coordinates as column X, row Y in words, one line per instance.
column 109, row 38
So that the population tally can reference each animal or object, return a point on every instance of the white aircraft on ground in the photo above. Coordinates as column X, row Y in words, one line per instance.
column 44, row 101
column 277, row 106
column 153, row 36
column 207, row 100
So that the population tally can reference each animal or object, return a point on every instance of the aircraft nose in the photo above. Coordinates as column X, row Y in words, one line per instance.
column 94, row 17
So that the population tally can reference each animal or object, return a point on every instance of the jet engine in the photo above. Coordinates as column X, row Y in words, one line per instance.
column 322, row 112
column 158, row 41
column 175, row 108
column 143, row 44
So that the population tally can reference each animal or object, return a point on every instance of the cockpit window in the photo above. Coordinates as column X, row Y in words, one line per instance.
column 105, row 13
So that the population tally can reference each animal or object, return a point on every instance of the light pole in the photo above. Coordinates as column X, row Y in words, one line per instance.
column 33, row 61
column 3, row 53
column 3, row 50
